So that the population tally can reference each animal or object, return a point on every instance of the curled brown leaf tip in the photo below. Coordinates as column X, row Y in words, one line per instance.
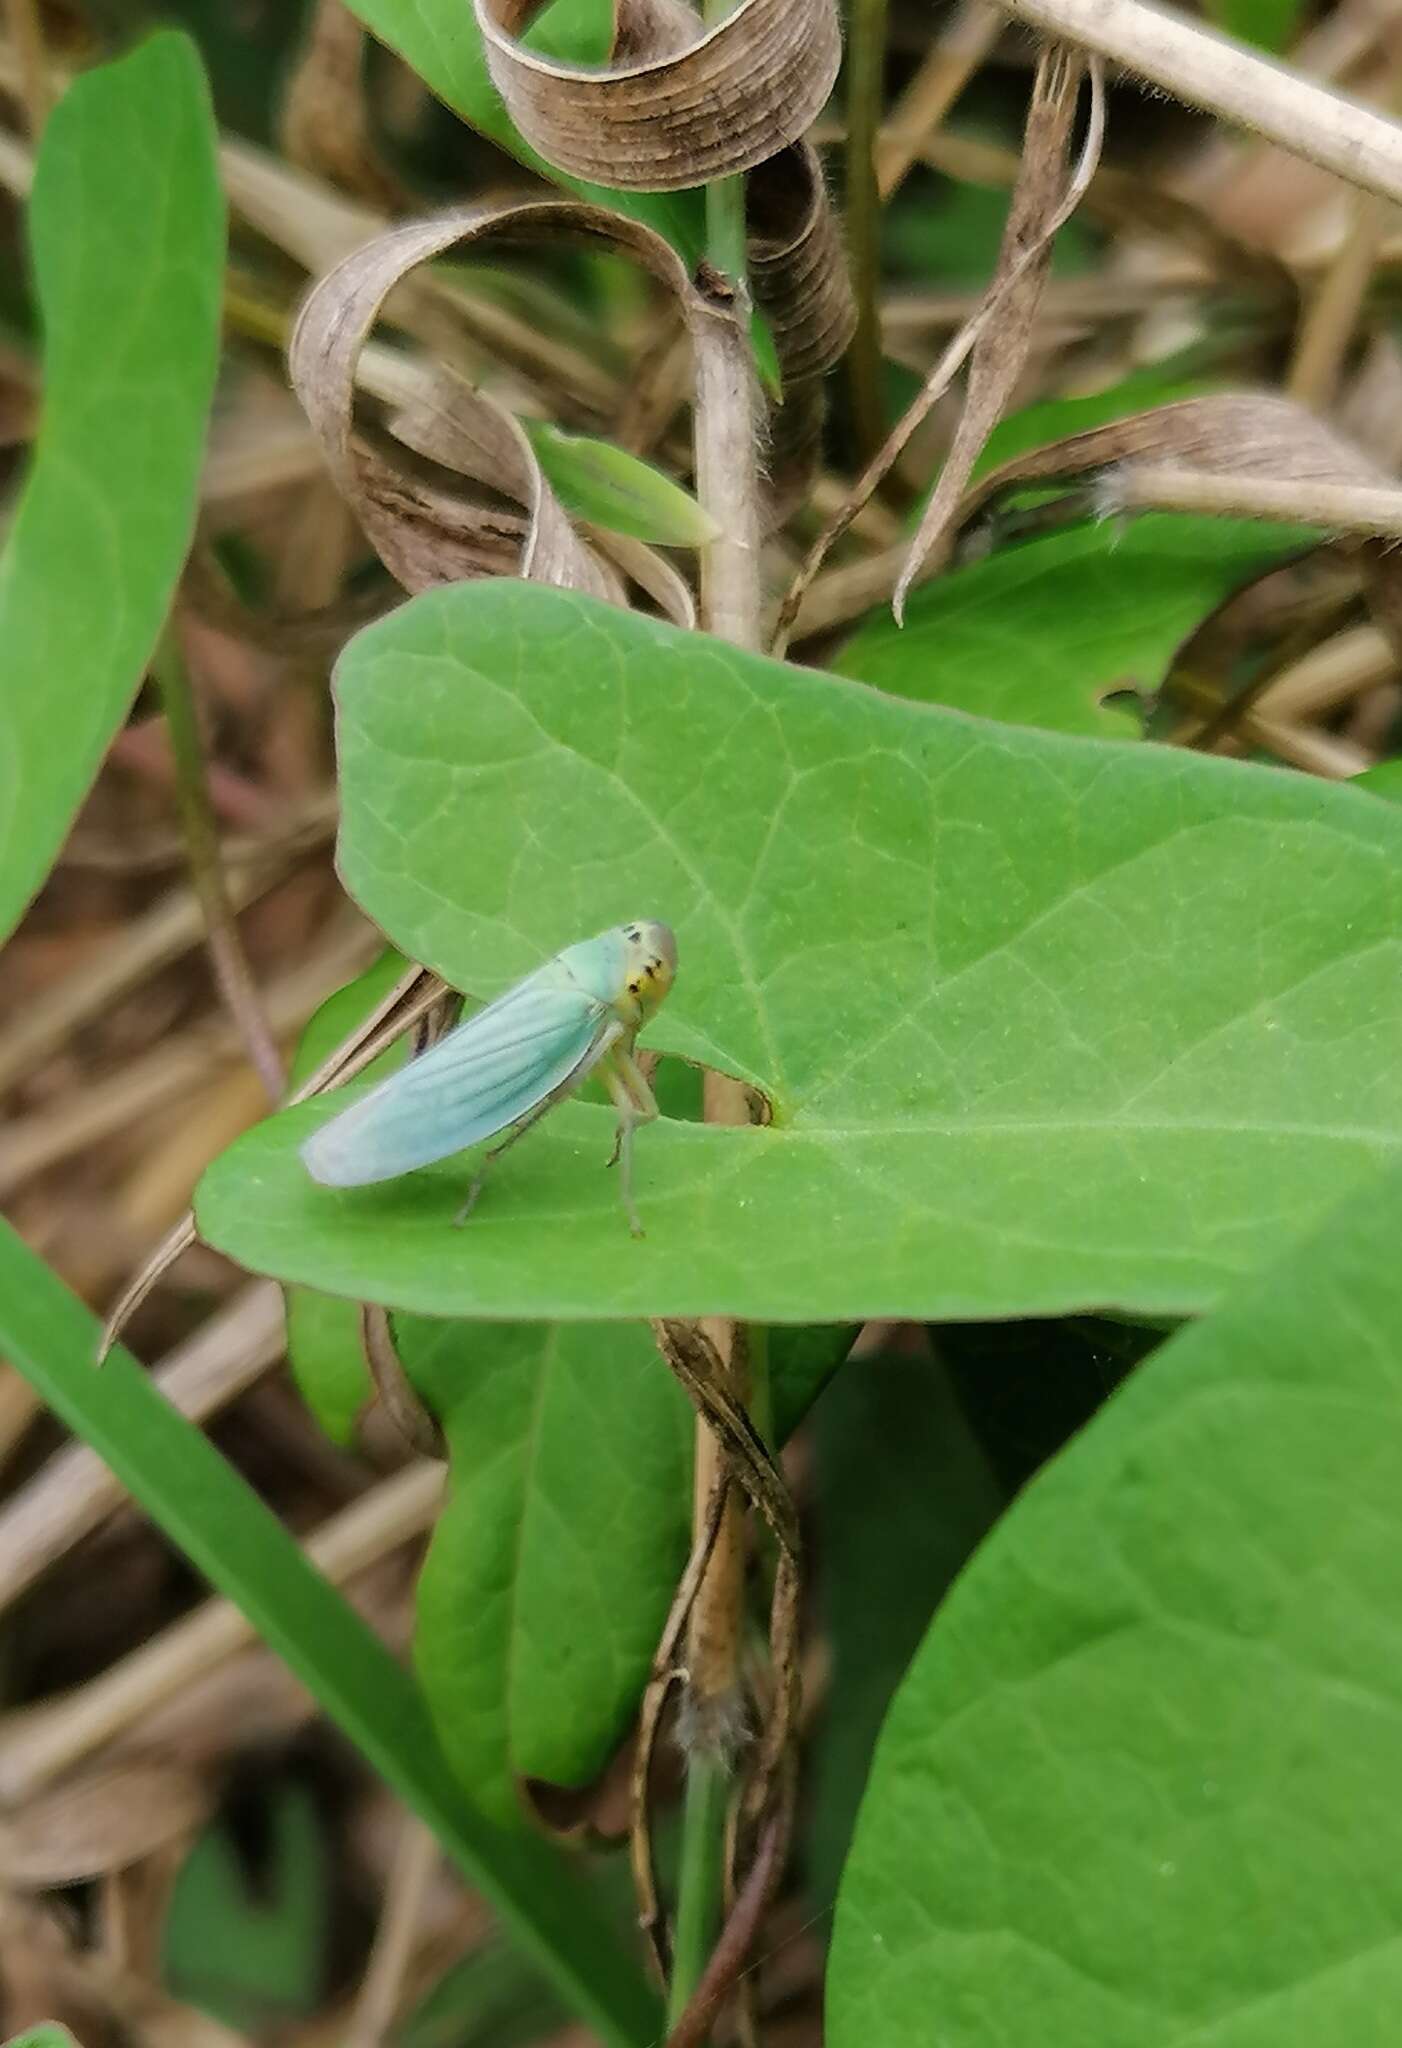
column 798, row 272
column 423, row 526
column 678, row 105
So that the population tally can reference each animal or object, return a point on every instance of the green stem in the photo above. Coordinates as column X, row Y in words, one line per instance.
column 725, row 227
column 700, row 1877
column 866, row 54
column 232, row 974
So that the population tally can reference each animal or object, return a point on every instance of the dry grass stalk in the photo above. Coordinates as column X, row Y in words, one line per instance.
column 1208, row 70
column 148, row 942
column 102, row 1820
column 67, row 1499
column 41, row 1743
column 170, row 1073
column 381, row 1996
column 1333, row 311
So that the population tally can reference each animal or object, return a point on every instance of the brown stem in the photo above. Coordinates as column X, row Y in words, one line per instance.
column 736, row 1938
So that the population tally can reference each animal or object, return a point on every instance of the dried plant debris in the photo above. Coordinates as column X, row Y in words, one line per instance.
column 1051, row 197
column 798, row 273
column 1242, row 454
column 424, row 531
column 1046, row 187
column 678, row 104
column 325, row 124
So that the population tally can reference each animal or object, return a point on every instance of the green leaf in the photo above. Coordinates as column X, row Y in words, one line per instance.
column 569, row 1501
column 229, row 1536
column 553, row 1564
column 1044, row 1021
column 906, row 1494
column 555, row 1559
column 49, row 2035
column 596, row 481
column 126, row 225
column 1270, row 24
column 440, row 40
column 1133, row 1791
column 950, row 231
column 328, row 1364
column 1044, row 633
column 269, row 1961
column 1383, row 779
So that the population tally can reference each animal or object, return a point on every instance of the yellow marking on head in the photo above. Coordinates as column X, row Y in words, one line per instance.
column 653, row 965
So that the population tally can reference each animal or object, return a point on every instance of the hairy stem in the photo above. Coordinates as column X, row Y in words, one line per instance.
column 1208, row 70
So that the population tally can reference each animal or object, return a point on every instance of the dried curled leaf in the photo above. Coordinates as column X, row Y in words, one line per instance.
column 798, row 272
column 422, row 529
column 425, row 531
column 677, row 105
column 651, row 572
column 1255, row 437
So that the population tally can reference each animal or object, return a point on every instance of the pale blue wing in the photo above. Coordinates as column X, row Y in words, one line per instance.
column 488, row 1073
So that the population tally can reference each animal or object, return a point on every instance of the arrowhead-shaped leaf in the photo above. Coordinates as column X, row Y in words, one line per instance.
column 1045, row 1022
column 1134, row 1789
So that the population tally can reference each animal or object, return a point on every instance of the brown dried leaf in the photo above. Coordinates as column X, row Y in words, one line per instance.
column 798, row 270
column 1254, row 433
column 1129, row 202
column 1242, row 454
column 1039, row 205
column 104, row 1820
column 798, row 273
column 678, row 105
column 424, row 531
column 1254, row 441
column 1005, row 283
column 651, row 572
